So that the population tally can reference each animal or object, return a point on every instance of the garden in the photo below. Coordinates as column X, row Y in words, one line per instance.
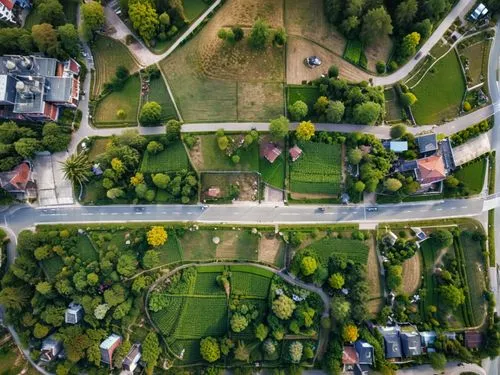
column 354, row 53
column 467, row 180
column 158, row 93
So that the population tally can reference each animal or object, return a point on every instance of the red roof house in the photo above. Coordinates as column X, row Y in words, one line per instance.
column 8, row 4
column 213, row 192
column 271, row 152
column 473, row 339
column 349, row 357
column 431, row 169
column 295, row 152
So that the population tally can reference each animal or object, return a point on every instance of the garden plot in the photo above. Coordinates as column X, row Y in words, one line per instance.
column 350, row 249
column 225, row 187
column 172, row 159
column 412, row 271
column 307, row 94
column 158, row 93
column 317, row 171
column 392, row 105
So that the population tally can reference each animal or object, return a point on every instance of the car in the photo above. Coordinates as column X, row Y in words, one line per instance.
column 372, row 209
column 139, row 209
column 417, row 56
column 313, row 61
column 321, row 209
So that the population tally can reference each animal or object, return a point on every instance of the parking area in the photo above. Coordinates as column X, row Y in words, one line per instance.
column 471, row 149
column 53, row 189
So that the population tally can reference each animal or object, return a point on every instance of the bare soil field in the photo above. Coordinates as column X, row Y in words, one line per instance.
column 373, row 278
column 379, row 51
column 205, row 74
column 270, row 249
column 412, row 272
column 297, row 71
column 246, row 182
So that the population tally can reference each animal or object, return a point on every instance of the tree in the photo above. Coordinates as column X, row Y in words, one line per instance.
column 115, row 193
column 424, row 28
column 161, row 180
column 279, row 127
column 44, row 287
column 27, row 147
column 154, row 147
column 359, row 186
column 93, row 18
column 238, row 33
column 321, row 105
column 209, row 349
column 144, row 19
column 269, row 346
column 308, row 265
column 354, row 156
column 397, row 131
column 77, row 168
column 68, row 35
column 392, row 184
column 55, row 139
column 14, row 298
column 283, row 307
column 157, row 236
column 238, row 322
column 336, row 281
column 436, row 8
column 150, row 113
column 340, row 308
column 394, row 277
column 335, row 111
column 350, row 333
column 408, row 99
column 127, row 264
column 101, row 310
column 295, row 351
column 40, row 331
column 405, row 13
column 376, row 24
column 235, row 159
column 442, row 238
column 173, row 130
column 280, row 36
column 380, row 67
column 260, row 34
column 350, row 26
column 52, row 12
column 333, row 71
column 451, row 182
column 261, row 332
column 226, row 34
column 298, row 110
column 367, row 113
column 438, row 361
column 305, row 130
column 164, row 19
column 409, row 45
column 241, row 352
column 150, row 351
column 137, row 179
column 451, row 296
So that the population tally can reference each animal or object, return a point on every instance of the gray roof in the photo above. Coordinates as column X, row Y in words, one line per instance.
column 392, row 345
column 30, row 100
column 411, row 344
column 46, row 65
column 408, row 165
column 7, row 88
column 365, row 352
column 58, row 89
column 427, row 143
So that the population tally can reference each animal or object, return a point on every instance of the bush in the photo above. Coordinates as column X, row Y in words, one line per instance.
column 298, row 110
column 380, row 66
column 150, row 114
column 467, row 106
column 333, row 71
column 120, row 114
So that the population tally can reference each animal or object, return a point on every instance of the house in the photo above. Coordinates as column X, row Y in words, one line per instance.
column 271, row 152
column 295, row 152
column 73, row 314
column 392, row 342
column 428, row 338
column 50, row 349
column 107, row 348
column 132, row 359
column 213, row 192
column 410, row 343
column 479, row 12
column 430, row 170
column 19, row 182
column 7, row 6
column 349, row 358
column 398, row 146
column 390, row 238
column 365, row 352
column 473, row 339
column 419, row 233
column 34, row 88
column 427, row 144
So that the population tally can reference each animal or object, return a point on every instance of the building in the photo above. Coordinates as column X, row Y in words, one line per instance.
column 411, row 344
column 398, row 146
column 365, row 352
column 19, row 182
column 390, row 238
column 213, row 192
column 73, row 314
column 50, row 349
column 271, row 152
column 131, row 361
column 479, row 12
column 473, row 339
column 107, row 348
column 295, row 152
column 430, row 170
column 34, row 88
column 392, row 345
column 427, row 144
column 7, row 6
column 349, row 358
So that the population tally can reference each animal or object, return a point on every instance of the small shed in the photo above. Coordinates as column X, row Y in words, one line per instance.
column 213, row 192
column 51, row 347
column 271, row 152
column 73, row 314
column 108, row 346
column 398, row 146
column 295, row 152
column 365, row 352
column 473, row 339
column 390, row 238
column 132, row 359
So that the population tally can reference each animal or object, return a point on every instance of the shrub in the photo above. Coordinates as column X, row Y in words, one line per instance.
column 333, row 71
column 467, row 106
column 298, row 110
column 157, row 236
column 209, row 349
column 283, row 307
column 238, row 33
column 380, row 67
column 154, row 147
column 308, row 265
column 120, row 114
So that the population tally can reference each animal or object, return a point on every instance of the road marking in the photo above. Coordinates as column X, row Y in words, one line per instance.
column 102, row 213
column 408, row 211
column 439, row 209
column 87, row 214
column 138, row 213
column 164, row 212
column 189, row 213
column 126, row 213
column 453, row 208
column 114, row 213
column 463, row 207
column 422, row 211
column 289, row 214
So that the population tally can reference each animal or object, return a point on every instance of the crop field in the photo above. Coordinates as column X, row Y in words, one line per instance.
column 108, row 55
column 308, row 94
column 392, row 105
column 440, row 92
column 250, row 284
column 206, row 283
column 317, row 171
column 172, row 159
column 350, row 249
column 158, row 93
column 166, row 319
column 126, row 99
column 241, row 245
column 353, row 51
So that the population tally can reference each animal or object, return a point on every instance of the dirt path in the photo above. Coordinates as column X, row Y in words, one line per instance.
column 412, row 271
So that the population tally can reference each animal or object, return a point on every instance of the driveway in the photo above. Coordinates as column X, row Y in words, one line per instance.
column 471, row 149
column 53, row 189
column 451, row 368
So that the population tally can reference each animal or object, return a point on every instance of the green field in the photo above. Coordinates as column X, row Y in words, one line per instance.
column 215, row 160
column 52, row 266
column 170, row 252
column 440, row 92
column 392, row 105
column 108, row 55
column 126, row 99
column 353, row 51
column 429, row 254
column 475, row 55
column 198, row 245
column 158, row 93
column 206, row 283
column 273, row 174
column 250, row 284
column 84, row 250
column 202, row 316
column 317, row 171
column 172, row 159
column 472, row 175
column 98, row 147
column 308, row 94
column 194, row 8
column 350, row 249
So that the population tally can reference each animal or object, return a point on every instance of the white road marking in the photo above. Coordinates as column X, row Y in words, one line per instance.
column 126, row 213
column 439, row 209
column 289, row 214
column 463, row 207
column 87, row 214
column 114, row 213
column 453, row 208
column 189, row 213
column 408, row 211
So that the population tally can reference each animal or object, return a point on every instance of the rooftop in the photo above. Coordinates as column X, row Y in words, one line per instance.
column 398, row 146
column 271, row 152
column 431, row 169
column 110, row 341
column 58, row 89
column 295, row 152
column 349, row 355
column 427, row 143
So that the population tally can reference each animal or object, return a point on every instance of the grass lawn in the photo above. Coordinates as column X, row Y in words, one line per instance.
column 52, row 266
column 353, row 51
column 440, row 92
column 472, row 176
column 126, row 99
column 84, row 250
column 170, row 251
column 158, row 93
column 12, row 361
column 242, row 245
column 215, row 160
column 108, row 55
column 392, row 105
column 198, row 245
column 273, row 174
column 317, row 171
column 351, row 249
column 308, row 94
column 429, row 254
column 33, row 18
column 98, row 147
column 172, row 159
column 194, row 8
column 474, row 55
column 93, row 192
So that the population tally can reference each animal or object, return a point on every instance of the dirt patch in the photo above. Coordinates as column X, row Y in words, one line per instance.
column 257, row 100
column 412, row 274
column 270, row 249
column 196, row 155
column 245, row 12
column 225, row 249
column 224, row 183
column 373, row 279
column 311, row 196
column 379, row 51
column 297, row 71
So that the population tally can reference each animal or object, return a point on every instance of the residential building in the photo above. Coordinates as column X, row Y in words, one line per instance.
column 131, row 361
column 73, row 314
column 295, row 152
column 7, row 6
column 473, row 339
column 398, row 146
column 19, row 182
column 365, row 352
column 410, row 343
column 349, row 358
column 390, row 238
column 271, row 152
column 427, row 144
column 34, row 88
column 430, row 170
column 50, row 349
column 107, row 348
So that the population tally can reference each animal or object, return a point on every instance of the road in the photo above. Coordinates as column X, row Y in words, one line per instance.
column 451, row 368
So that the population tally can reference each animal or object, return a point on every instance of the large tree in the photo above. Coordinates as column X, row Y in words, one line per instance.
column 335, row 111
column 279, row 127
column 51, row 11
column 144, row 19
column 150, row 113
column 451, row 296
column 69, row 39
column 405, row 13
column 77, row 168
column 376, row 24
column 93, row 18
column 45, row 38
column 298, row 110
column 367, row 113
column 151, row 351
column 210, row 349
column 260, row 34
column 305, row 130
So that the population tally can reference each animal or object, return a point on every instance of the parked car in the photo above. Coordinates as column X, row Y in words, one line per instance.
column 321, row 209
column 313, row 61
column 417, row 56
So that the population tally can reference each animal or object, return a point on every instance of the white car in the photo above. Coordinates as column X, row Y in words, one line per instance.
column 313, row 61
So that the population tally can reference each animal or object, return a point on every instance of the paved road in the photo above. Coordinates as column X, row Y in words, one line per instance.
column 451, row 368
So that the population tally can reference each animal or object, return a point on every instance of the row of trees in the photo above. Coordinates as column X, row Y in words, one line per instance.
column 260, row 35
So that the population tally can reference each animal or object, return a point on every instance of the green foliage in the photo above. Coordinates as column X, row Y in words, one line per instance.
column 394, row 277
column 260, row 34
column 398, row 130
column 279, row 127
column 336, row 281
column 93, row 18
column 261, row 332
column 283, row 307
column 308, row 265
column 151, row 113
column 151, row 351
column 295, row 351
column 376, row 24
column 144, row 19
column 210, row 349
column 367, row 113
column 238, row 322
column 298, row 110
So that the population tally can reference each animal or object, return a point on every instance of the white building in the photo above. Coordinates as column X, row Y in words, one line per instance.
column 74, row 313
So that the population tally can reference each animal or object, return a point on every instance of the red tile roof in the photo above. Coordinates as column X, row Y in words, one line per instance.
column 8, row 4
column 473, row 339
column 349, row 356
column 50, row 111
column 431, row 169
column 74, row 67
column 295, row 152
column 271, row 152
column 22, row 176
column 59, row 69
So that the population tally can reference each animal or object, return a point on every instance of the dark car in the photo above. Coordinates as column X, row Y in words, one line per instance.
column 321, row 209
column 313, row 61
column 139, row 209
column 371, row 209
